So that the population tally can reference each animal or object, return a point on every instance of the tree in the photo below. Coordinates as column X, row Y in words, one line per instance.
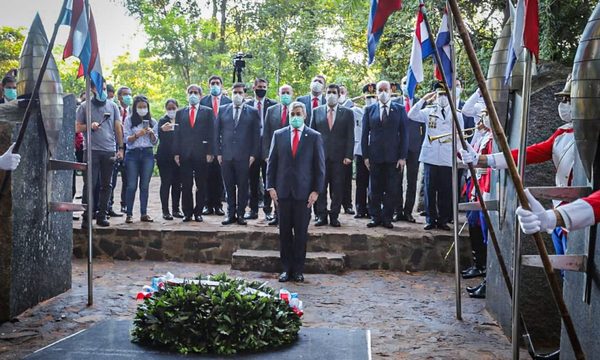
column 11, row 42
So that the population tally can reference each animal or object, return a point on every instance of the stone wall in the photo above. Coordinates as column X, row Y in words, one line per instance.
column 410, row 252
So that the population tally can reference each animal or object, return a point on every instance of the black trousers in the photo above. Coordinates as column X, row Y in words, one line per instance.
column 335, row 177
column 119, row 167
column 102, row 165
column 478, row 247
column 438, row 194
column 193, row 171
column 170, row 182
column 362, row 185
column 214, row 185
column 78, row 158
column 406, row 205
column 347, row 199
column 294, row 216
column 235, row 174
column 384, row 186
column 258, row 188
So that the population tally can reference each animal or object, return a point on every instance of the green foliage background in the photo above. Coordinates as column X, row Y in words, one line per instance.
column 189, row 40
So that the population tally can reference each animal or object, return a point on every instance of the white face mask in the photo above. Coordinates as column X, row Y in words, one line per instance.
column 342, row 99
column 564, row 111
column 316, row 87
column 404, row 89
column 332, row 99
column 142, row 111
column 383, row 96
column 458, row 92
column 486, row 121
column 443, row 100
column 171, row 114
column 238, row 99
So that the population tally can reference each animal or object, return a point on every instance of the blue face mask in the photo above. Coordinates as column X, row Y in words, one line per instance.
column 296, row 121
column 193, row 99
column 215, row 90
column 102, row 97
column 286, row 99
column 10, row 94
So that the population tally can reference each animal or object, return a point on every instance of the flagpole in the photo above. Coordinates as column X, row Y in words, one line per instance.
column 500, row 137
column 90, row 187
column 453, row 98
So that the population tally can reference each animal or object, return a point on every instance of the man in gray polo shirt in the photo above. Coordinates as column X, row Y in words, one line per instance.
column 107, row 132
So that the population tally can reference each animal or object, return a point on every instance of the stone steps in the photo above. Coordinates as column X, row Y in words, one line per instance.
column 268, row 261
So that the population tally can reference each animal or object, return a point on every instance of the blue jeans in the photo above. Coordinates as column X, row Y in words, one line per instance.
column 139, row 164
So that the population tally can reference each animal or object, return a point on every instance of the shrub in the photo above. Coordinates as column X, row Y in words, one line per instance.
column 226, row 319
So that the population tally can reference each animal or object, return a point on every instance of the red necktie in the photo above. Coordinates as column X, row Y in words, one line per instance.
column 315, row 102
column 295, row 142
column 407, row 104
column 215, row 106
column 284, row 116
column 193, row 116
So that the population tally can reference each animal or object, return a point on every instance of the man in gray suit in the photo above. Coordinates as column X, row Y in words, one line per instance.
column 315, row 98
column 277, row 117
column 238, row 144
column 336, row 125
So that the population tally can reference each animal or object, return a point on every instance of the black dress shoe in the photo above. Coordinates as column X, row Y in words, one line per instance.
column 321, row 222
column 123, row 209
column 219, row 211
column 284, row 277
column 399, row 217
column 348, row 210
column 423, row 213
column 462, row 272
column 251, row 215
column 111, row 213
column 472, row 289
column 167, row 216
column 187, row 218
column 268, row 216
column 479, row 293
column 410, row 218
column 178, row 214
column 388, row 225
column 198, row 218
column 274, row 222
column 241, row 221
column 228, row 220
column 360, row 216
column 207, row 211
column 298, row 277
column 102, row 222
column 473, row 273
column 429, row 227
column 373, row 223
column 335, row 223
column 443, row 227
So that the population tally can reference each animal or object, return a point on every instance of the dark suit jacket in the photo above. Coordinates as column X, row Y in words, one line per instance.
column 207, row 101
column 307, row 101
column 295, row 178
column 197, row 142
column 416, row 130
column 241, row 141
column 164, row 152
column 384, row 142
column 339, row 141
column 267, row 104
column 272, row 123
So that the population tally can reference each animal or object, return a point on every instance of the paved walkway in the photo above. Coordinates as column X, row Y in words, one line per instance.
column 411, row 316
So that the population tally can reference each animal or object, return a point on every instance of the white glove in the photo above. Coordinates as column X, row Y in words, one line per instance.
column 9, row 161
column 536, row 220
column 469, row 156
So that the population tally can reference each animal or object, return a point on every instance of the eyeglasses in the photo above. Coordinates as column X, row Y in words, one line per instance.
column 193, row 92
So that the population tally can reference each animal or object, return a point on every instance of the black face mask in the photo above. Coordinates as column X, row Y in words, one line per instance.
column 260, row 93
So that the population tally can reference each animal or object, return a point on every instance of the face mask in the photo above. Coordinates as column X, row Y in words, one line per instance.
column 405, row 90
column 332, row 99
column 260, row 93
column 286, row 99
column 193, row 99
column 238, row 99
column 369, row 101
column 458, row 92
column 443, row 100
column 316, row 87
column 342, row 99
column 486, row 121
column 215, row 90
column 564, row 111
column 171, row 114
column 101, row 98
column 296, row 121
column 384, row 97
column 10, row 94
column 127, row 100
column 142, row 111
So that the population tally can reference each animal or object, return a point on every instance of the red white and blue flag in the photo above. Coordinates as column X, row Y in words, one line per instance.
column 422, row 48
column 525, row 33
column 379, row 14
column 442, row 43
column 83, row 42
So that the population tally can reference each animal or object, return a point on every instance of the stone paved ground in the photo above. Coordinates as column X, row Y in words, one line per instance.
column 411, row 316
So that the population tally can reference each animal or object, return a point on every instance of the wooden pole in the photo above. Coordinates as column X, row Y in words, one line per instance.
column 512, row 169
